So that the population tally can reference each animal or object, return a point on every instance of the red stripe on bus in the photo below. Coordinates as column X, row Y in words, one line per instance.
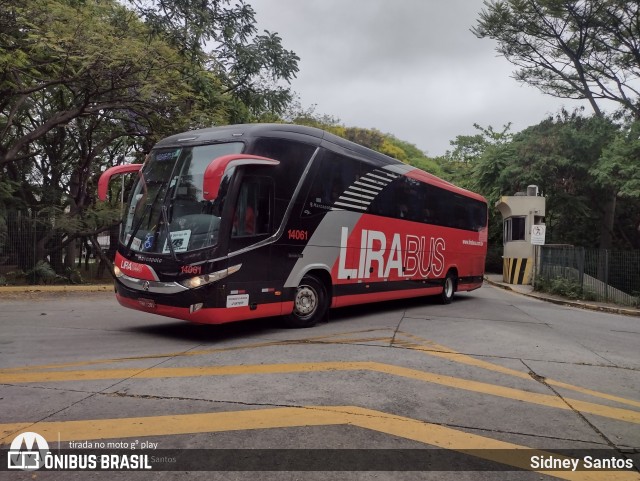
column 135, row 269
column 218, row 315
column 354, row 299
column 431, row 179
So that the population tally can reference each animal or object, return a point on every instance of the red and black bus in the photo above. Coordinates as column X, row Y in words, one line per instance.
column 249, row 221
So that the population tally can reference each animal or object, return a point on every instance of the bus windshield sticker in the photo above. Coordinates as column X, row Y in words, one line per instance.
column 164, row 156
column 136, row 244
column 180, row 241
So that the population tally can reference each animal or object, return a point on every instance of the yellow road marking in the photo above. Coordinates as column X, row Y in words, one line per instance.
column 449, row 381
column 256, row 419
column 27, row 374
column 436, row 350
column 413, row 429
column 426, row 346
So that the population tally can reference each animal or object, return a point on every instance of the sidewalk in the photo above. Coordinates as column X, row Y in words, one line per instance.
column 57, row 288
column 527, row 290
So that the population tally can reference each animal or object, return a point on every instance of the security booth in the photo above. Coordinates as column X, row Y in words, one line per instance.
column 523, row 229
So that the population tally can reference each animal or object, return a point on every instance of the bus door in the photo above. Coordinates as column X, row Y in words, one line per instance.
column 252, row 224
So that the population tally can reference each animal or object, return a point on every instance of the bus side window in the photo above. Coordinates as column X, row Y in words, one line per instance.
column 335, row 174
column 253, row 212
column 294, row 156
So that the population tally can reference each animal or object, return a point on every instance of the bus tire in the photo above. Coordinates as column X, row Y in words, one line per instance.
column 310, row 303
column 449, row 288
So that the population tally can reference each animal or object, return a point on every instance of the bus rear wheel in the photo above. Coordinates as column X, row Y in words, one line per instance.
column 449, row 288
column 310, row 303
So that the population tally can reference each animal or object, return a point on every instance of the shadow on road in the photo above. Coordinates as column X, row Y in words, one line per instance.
column 210, row 333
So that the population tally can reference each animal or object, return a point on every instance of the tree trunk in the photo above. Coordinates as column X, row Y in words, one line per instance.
column 105, row 262
column 70, row 255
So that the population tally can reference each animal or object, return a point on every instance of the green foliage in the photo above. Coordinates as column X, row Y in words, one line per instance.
column 220, row 37
column 468, row 148
column 145, row 72
column 619, row 165
column 296, row 113
column 87, row 59
column 42, row 273
column 579, row 50
column 563, row 287
column 12, row 278
column 73, row 276
column 389, row 145
column 457, row 164
column 570, row 49
column 85, row 85
column 7, row 189
column 372, row 138
column 412, row 155
column 570, row 158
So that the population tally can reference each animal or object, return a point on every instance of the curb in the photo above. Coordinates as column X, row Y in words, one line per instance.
column 566, row 302
column 60, row 288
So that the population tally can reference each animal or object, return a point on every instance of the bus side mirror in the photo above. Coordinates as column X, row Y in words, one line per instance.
column 103, row 183
column 216, row 169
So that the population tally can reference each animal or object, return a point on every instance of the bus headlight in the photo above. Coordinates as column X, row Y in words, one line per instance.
column 117, row 272
column 199, row 281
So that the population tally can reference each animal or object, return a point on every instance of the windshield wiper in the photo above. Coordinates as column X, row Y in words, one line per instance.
column 165, row 221
column 136, row 228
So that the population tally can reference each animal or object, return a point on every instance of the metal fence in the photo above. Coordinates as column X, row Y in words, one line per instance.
column 31, row 251
column 599, row 275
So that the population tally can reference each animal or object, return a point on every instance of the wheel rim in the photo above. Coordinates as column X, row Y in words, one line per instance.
column 448, row 287
column 306, row 301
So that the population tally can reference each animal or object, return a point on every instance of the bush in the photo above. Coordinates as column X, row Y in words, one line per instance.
column 13, row 278
column 42, row 273
column 563, row 287
column 73, row 276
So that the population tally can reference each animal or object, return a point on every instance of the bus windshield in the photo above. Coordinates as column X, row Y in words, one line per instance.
column 168, row 198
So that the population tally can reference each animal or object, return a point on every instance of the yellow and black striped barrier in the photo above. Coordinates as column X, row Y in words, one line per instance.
column 517, row 270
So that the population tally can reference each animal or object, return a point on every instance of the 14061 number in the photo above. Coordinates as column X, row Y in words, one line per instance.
column 191, row 269
column 297, row 234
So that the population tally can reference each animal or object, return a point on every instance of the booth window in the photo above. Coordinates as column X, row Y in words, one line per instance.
column 514, row 229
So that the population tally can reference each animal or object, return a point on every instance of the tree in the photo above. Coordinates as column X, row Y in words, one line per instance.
column 564, row 156
column 620, row 162
column 570, row 48
column 88, row 84
column 76, row 76
column 411, row 155
column 468, row 148
column 221, row 37
column 458, row 163
column 619, row 170
column 386, row 144
column 94, row 54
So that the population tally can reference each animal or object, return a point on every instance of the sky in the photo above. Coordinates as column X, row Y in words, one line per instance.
column 411, row 68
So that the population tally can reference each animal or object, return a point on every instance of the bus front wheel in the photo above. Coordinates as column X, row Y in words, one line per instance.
column 310, row 303
column 449, row 288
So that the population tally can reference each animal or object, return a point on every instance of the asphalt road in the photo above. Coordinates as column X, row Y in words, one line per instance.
column 401, row 390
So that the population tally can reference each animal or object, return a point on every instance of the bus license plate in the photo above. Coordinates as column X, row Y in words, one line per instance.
column 148, row 303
